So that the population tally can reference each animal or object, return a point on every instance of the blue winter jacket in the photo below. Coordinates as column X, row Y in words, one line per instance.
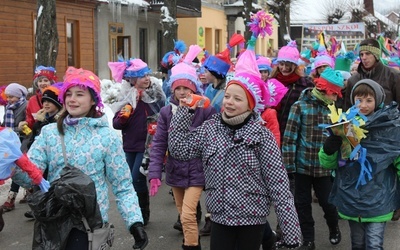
column 96, row 150
column 178, row 173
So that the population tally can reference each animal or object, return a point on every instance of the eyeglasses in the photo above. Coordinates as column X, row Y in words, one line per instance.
column 286, row 64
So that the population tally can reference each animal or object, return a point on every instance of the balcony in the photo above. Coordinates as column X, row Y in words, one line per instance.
column 185, row 8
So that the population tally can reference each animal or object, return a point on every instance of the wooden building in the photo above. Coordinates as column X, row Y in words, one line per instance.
column 75, row 24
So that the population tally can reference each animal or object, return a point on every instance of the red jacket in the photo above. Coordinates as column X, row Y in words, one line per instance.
column 270, row 116
column 34, row 105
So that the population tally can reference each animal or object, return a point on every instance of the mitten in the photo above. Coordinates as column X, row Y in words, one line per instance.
column 26, row 165
column 44, row 185
column 154, row 185
column 139, row 235
column 332, row 144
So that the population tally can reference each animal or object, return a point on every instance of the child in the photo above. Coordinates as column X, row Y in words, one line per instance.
column 368, row 206
column 264, row 66
column 185, row 177
column 15, row 113
column 11, row 155
column 241, row 161
column 301, row 142
column 83, row 133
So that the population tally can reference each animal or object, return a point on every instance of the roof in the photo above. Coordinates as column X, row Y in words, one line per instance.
column 140, row 3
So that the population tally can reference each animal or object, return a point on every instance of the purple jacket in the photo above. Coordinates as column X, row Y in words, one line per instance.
column 134, row 129
column 178, row 173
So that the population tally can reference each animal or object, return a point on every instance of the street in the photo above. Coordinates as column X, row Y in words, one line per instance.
column 17, row 233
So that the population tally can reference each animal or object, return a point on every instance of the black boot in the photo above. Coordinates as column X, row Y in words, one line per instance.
column 198, row 247
column 206, row 230
column 269, row 243
column 178, row 224
column 198, row 213
column 144, row 203
column 334, row 235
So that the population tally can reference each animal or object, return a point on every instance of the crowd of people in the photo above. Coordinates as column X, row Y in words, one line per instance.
column 258, row 137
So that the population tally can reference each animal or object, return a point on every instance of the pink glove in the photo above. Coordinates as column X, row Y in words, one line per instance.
column 154, row 185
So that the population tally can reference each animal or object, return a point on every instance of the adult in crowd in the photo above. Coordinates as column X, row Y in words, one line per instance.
column 371, row 67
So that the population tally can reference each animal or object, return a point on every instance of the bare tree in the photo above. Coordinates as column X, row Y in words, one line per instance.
column 280, row 9
column 46, row 39
column 333, row 10
column 169, row 25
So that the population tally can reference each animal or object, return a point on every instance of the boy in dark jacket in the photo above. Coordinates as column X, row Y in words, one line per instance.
column 367, row 196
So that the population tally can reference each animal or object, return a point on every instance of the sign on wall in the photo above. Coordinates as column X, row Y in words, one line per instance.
column 349, row 33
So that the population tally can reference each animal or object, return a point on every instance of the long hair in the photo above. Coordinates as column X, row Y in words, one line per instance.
column 298, row 71
column 93, row 113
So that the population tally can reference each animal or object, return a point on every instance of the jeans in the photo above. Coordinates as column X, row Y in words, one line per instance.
column 236, row 237
column 367, row 235
column 134, row 160
column 186, row 200
column 303, row 199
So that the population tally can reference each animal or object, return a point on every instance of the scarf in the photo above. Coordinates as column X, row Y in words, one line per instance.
column 287, row 80
column 236, row 121
column 9, row 120
column 71, row 120
column 317, row 94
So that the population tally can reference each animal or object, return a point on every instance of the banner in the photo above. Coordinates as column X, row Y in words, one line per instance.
column 349, row 33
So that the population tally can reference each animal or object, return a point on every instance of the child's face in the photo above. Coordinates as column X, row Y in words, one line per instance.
column 332, row 97
column 43, row 83
column 321, row 69
column 143, row 83
column 78, row 101
column 264, row 75
column 235, row 101
column 209, row 77
column 366, row 105
column 182, row 92
column 49, row 107
column 286, row 68
column 12, row 99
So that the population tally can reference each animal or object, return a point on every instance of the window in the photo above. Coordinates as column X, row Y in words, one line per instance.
column 72, row 43
column 143, row 44
column 217, row 41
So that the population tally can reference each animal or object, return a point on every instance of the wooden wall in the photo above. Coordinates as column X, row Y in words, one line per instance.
column 17, row 38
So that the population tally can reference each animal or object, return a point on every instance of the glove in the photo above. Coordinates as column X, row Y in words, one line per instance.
column 154, row 185
column 332, row 144
column 139, row 235
column 44, row 185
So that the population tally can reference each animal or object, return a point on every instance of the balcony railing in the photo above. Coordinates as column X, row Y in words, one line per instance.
column 185, row 8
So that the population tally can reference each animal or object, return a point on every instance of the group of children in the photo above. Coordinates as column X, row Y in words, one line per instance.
column 259, row 142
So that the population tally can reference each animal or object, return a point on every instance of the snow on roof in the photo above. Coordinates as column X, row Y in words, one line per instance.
column 240, row 4
column 141, row 3
column 392, row 25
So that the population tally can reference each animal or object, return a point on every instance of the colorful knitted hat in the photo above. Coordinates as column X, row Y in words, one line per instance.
column 219, row 64
column 331, row 81
column 323, row 59
column 16, row 89
column 48, row 72
column 51, row 94
column 289, row 53
column 373, row 46
column 184, row 73
column 3, row 98
column 247, row 74
column 264, row 63
column 129, row 69
column 84, row 79
column 171, row 58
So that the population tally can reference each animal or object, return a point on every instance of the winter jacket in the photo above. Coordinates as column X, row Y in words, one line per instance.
column 271, row 122
column 96, row 150
column 34, row 105
column 380, row 196
column 178, row 173
column 291, row 97
column 303, row 137
column 387, row 77
column 243, row 171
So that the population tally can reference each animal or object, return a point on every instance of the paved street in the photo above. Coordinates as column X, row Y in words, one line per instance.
column 17, row 233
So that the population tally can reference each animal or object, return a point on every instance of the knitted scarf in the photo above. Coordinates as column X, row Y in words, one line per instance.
column 287, row 80
column 236, row 120
column 9, row 120
column 317, row 94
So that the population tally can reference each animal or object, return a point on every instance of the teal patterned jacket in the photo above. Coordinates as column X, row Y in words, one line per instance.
column 97, row 151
